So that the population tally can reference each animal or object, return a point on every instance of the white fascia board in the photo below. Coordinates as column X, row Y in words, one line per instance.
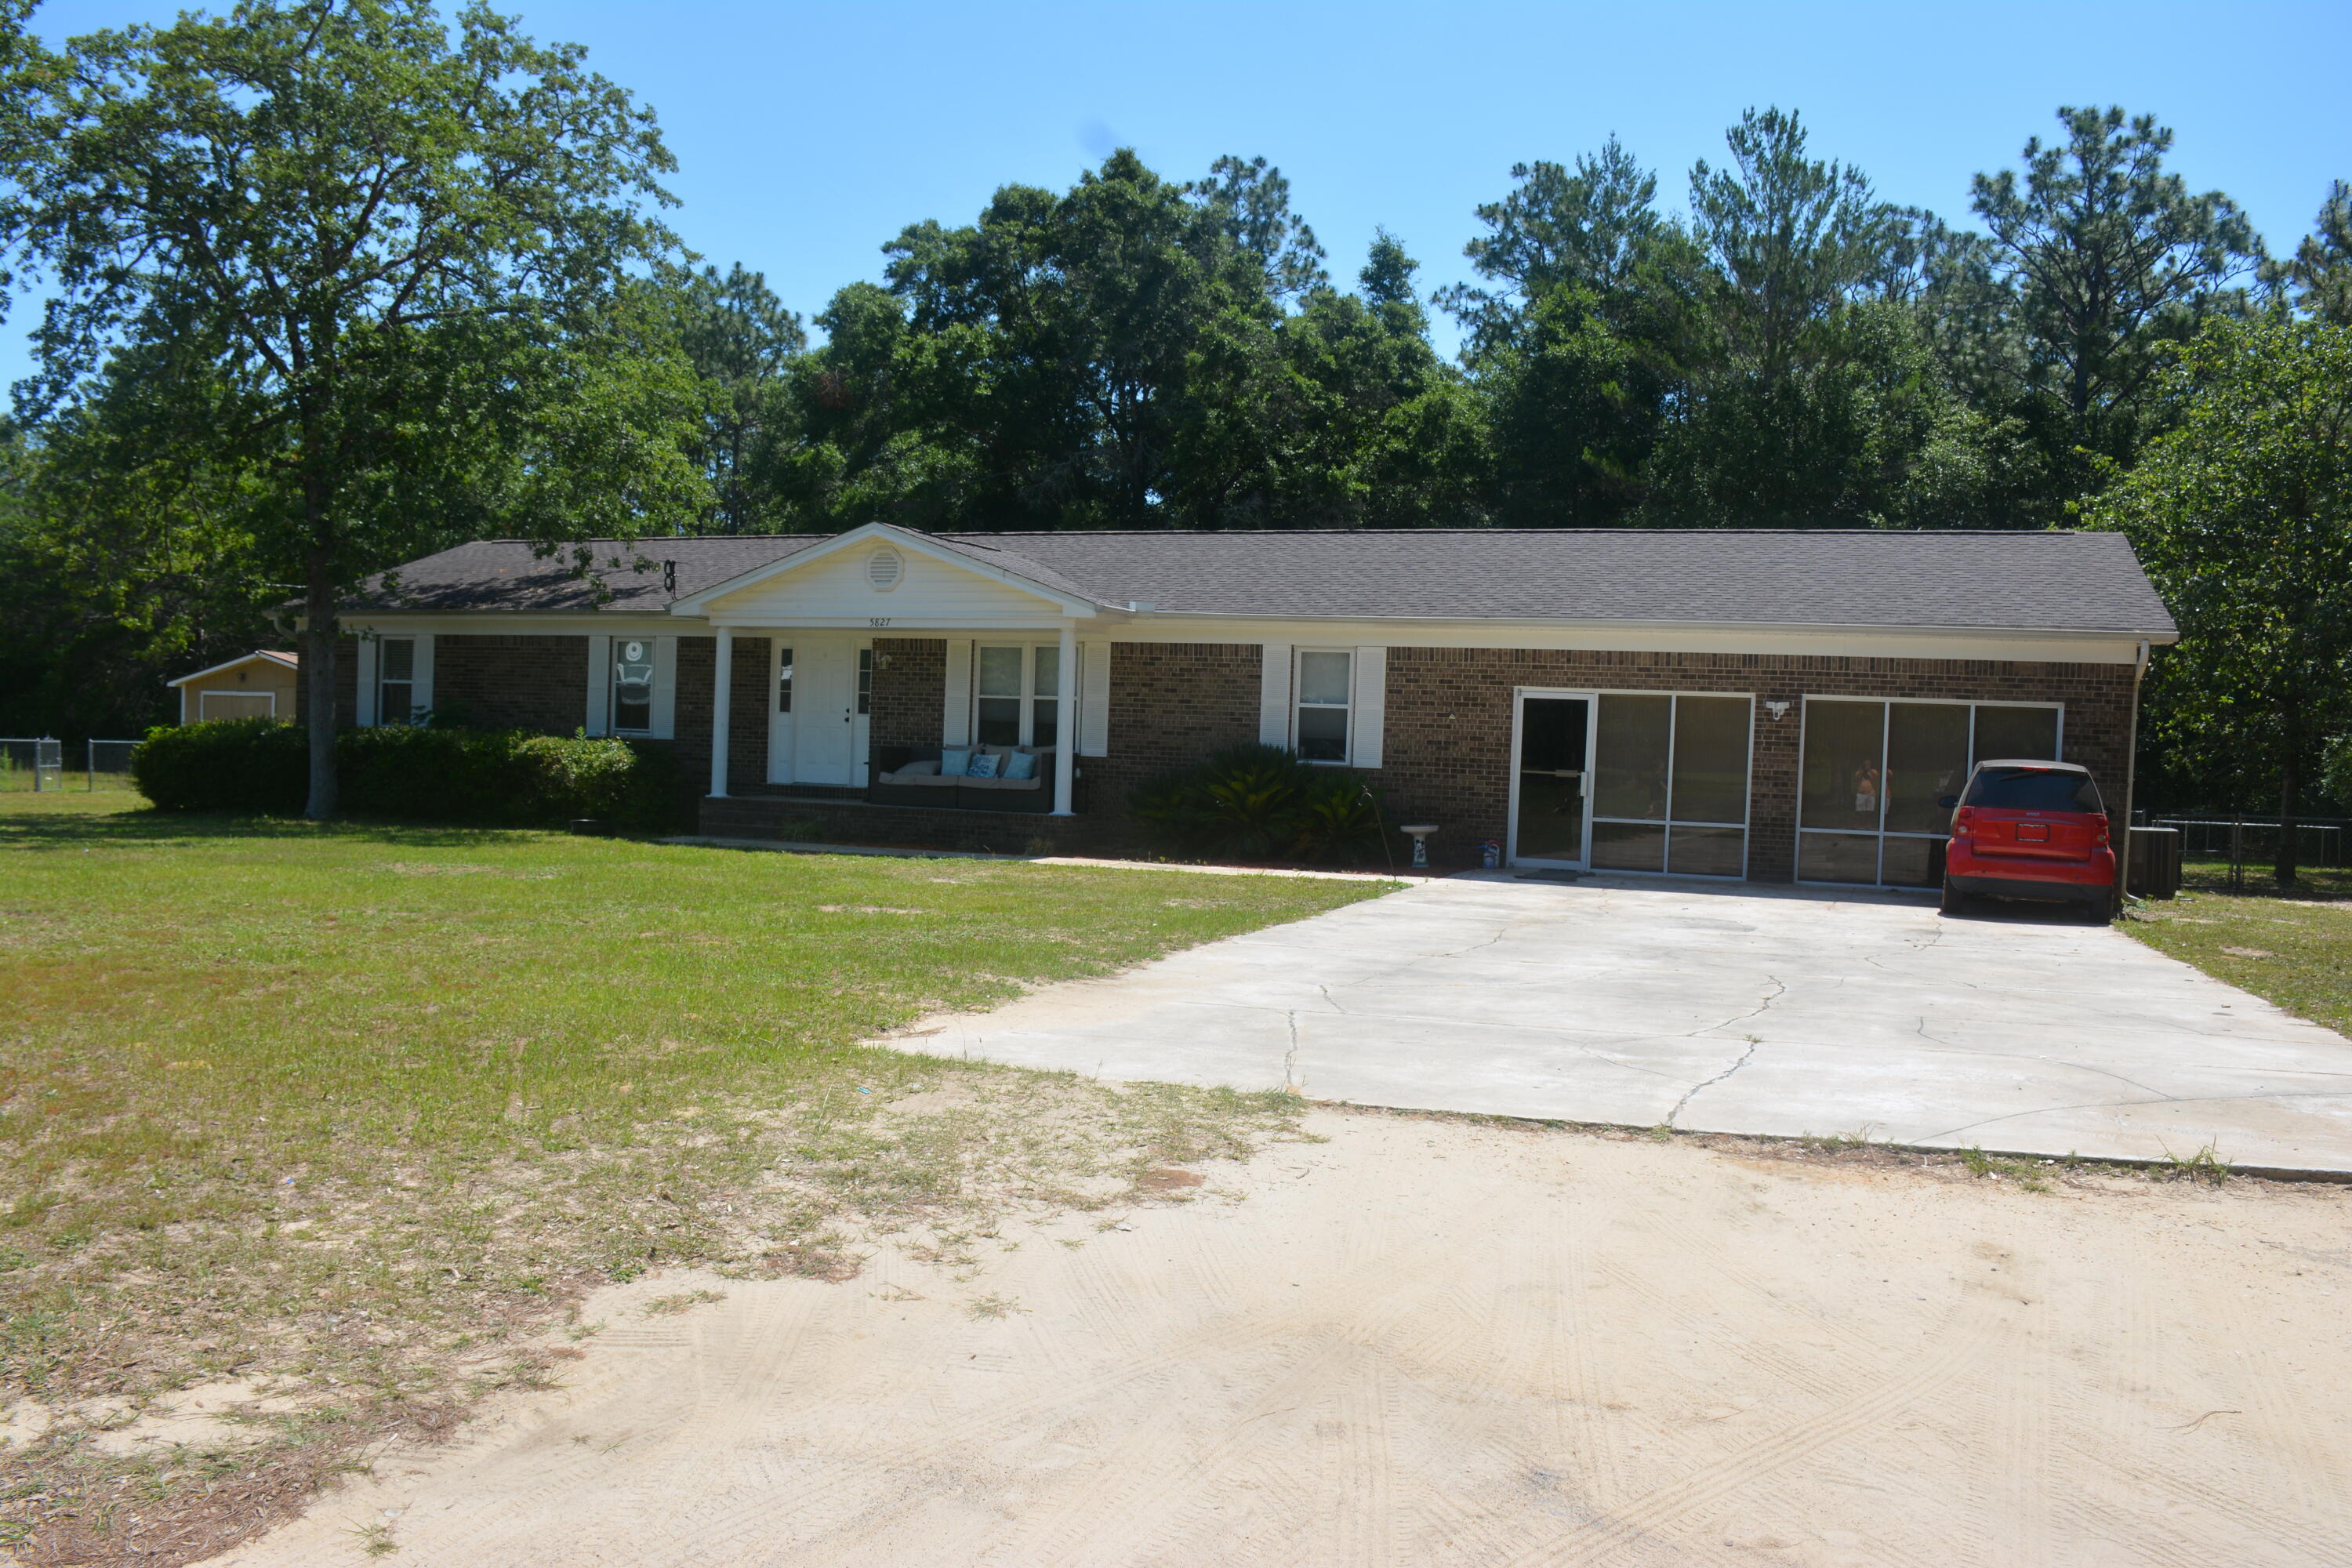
column 257, row 657
column 893, row 626
column 698, row 605
column 512, row 624
column 2022, row 646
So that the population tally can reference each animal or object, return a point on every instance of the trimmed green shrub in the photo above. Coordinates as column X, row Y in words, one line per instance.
column 633, row 783
column 257, row 765
column 430, row 774
column 417, row 774
column 1256, row 802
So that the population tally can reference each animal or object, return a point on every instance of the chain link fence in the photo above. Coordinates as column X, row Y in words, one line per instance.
column 106, row 764
column 2239, row 841
column 39, row 766
column 31, row 765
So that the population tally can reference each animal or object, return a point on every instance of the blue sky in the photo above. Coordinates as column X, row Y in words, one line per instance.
column 808, row 135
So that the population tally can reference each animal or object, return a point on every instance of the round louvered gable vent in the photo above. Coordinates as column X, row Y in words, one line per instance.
column 884, row 568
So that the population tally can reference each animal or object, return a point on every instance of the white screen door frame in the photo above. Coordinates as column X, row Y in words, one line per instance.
column 1519, row 700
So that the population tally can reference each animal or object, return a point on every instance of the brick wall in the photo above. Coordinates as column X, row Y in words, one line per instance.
column 747, row 710
column 1171, row 704
column 828, row 821
column 910, row 692
column 347, row 682
column 1448, row 722
column 513, row 682
column 1448, row 742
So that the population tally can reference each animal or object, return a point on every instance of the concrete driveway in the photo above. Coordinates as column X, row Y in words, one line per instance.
column 1747, row 1010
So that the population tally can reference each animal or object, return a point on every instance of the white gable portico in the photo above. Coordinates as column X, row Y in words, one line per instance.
column 820, row 609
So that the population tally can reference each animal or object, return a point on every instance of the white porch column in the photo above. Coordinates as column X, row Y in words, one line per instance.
column 721, row 711
column 1066, row 715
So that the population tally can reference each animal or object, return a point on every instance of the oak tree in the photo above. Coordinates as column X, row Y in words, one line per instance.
column 372, row 260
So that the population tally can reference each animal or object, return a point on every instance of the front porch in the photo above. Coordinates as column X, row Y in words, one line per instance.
column 967, row 700
column 787, row 815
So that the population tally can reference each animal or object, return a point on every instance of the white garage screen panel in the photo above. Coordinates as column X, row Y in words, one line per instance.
column 1875, row 773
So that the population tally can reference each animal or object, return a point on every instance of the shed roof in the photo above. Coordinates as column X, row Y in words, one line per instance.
column 2050, row 581
column 267, row 656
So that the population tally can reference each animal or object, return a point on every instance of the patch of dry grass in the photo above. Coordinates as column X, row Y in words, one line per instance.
column 2291, row 947
column 359, row 1112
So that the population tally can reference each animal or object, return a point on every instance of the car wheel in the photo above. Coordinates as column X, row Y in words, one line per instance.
column 1955, row 902
column 2099, row 909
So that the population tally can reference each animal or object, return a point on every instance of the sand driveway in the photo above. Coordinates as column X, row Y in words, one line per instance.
column 1432, row 1341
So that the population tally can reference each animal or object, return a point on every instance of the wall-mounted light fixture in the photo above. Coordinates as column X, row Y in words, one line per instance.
column 1778, row 710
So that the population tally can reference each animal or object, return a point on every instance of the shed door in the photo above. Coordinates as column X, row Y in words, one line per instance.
column 236, row 704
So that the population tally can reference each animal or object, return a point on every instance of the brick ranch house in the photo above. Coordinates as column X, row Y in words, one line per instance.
column 1772, row 705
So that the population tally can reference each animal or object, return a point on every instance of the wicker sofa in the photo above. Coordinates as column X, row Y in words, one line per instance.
column 910, row 775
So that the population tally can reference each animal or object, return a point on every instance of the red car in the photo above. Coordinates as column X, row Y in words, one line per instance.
column 2030, row 829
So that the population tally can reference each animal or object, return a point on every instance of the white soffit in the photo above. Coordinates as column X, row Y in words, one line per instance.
column 885, row 576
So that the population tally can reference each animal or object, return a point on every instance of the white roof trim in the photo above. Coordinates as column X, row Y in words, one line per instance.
column 278, row 660
column 694, row 605
column 1856, row 628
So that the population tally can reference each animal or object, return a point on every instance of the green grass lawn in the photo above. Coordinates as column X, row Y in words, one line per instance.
column 2291, row 946
column 337, row 1109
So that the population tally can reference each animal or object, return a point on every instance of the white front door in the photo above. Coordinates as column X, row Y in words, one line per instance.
column 825, row 703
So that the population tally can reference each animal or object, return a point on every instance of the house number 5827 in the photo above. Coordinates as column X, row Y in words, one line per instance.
column 877, row 620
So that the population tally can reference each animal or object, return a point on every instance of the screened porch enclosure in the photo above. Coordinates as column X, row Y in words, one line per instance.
column 1666, row 791
column 1877, row 773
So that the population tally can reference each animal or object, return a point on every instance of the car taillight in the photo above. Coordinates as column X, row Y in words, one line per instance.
column 2099, row 834
column 1961, row 820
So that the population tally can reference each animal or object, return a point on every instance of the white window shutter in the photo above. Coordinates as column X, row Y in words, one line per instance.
column 599, row 684
column 424, row 687
column 955, row 723
column 665, row 714
column 1274, row 696
column 365, row 717
column 1370, row 700
column 1093, row 699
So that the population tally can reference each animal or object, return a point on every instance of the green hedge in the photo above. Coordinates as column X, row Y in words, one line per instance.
column 419, row 774
column 1259, row 802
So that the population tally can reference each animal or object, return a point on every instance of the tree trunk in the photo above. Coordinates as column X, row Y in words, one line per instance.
column 319, row 667
column 2290, row 786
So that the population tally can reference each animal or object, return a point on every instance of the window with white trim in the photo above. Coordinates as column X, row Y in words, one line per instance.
column 1017, row 695
column 865, row 678
column 396, row 681
column 633, row 685
column 1324, row 682
column 783, row 680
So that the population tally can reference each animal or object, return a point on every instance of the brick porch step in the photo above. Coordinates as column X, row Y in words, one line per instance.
column 833, row 820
